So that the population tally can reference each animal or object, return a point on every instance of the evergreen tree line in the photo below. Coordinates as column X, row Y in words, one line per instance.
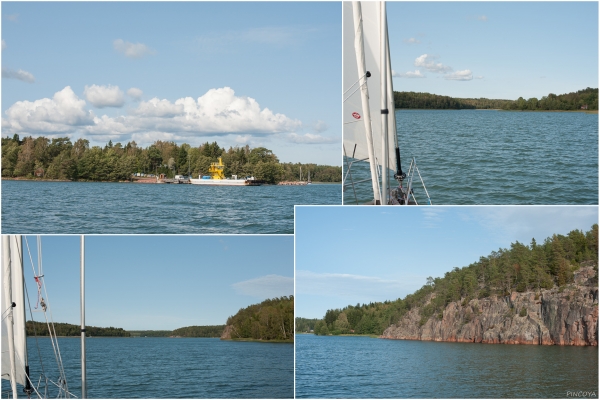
column 41, row 329
column 305, row 325
column 58, row 158
column 273, row 319
column 565, row 102
column 199, row 331
column 521, row 268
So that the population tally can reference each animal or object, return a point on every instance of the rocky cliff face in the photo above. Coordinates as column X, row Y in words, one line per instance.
column 226, row 332
column 567, row 317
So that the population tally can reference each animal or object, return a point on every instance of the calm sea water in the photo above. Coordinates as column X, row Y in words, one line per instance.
column 363, row 367
column 90, row 207
column 170, row 368
column 497, row 157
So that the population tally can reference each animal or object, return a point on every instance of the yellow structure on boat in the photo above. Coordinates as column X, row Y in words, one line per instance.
column 216, row 170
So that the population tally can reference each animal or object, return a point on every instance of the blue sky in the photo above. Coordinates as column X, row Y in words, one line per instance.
column 161, row 282
column 258, row 73
column 348, row 255
column 499, row 50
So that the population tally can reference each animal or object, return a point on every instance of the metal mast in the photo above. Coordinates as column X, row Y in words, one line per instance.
column 384, row 104
column 82, row 285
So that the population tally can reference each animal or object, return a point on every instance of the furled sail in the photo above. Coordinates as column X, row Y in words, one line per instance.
column 355, row 114
column 13, row 321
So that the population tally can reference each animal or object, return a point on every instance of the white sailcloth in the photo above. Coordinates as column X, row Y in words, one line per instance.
column 355, row 140
column 13, row 292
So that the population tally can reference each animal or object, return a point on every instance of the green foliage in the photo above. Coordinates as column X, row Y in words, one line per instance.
column 520, row 268
column 305, row 325
column 199, row 331
column 523, row 312
column 565, row 102
column 62, row 329
column 273, row 319
column 60, row 159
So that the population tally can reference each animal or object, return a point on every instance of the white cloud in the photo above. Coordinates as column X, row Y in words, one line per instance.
column 350, row 286
column 482, row 18
column 266, row 287
column 219, row 112
column 243, row 139
column 412, row 41
column 522, row 223
column 479, row 77
column 320, row 126
column 12, row 17
column 20, row 75
column 104, row 96
column 310, row 138
column 409, row 74
column 135, row 93
column 65, row 112
column 132, row 50
column 158, row 108
column 426, row 61
column 3, row 44
column 465, row 75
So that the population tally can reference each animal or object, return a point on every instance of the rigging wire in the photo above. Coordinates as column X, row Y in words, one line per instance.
column 49, row 323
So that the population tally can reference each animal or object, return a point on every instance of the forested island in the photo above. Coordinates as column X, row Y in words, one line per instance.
column 34, row 328
column 586, row 99
column 272, row 320
column 188, row 331
column 530, row 294
column 60, row 159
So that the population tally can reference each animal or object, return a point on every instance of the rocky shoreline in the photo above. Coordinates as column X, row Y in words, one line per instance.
column 567, row 316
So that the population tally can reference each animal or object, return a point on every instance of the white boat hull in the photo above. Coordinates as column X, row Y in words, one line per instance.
column 224, row 182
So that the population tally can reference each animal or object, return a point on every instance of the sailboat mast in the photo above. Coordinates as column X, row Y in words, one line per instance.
column 7, row 280
column 82, row 285
column 384, row 104
column 363, row 74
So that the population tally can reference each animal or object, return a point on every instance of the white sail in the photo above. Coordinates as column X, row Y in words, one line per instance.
column 355, row 140
column 13, row 323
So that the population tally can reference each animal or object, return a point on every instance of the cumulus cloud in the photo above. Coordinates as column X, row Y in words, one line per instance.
column 158, row 108
column 465, row 75
column 19, row 74
column 65, row 112
column 310, row 138
column 412, row 41
column 3, row 44
column 267, row 286
column 320, row 126
column 426, row 61
column 218, row 112
column 104, row 96
column 409, row 74
column 135, row 93
column 132, row 50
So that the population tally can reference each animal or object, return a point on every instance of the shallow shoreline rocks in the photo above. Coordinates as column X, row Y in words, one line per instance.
column 567, row 316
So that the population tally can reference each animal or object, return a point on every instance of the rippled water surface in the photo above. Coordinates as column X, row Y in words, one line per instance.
column 91, row 207
column 497, row 157
column 171, row 368
column 363, row 367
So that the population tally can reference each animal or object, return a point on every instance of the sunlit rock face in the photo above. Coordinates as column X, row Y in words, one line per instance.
column 549, row 317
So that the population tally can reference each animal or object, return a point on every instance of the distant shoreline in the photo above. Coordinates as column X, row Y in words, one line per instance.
column 18, row 178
